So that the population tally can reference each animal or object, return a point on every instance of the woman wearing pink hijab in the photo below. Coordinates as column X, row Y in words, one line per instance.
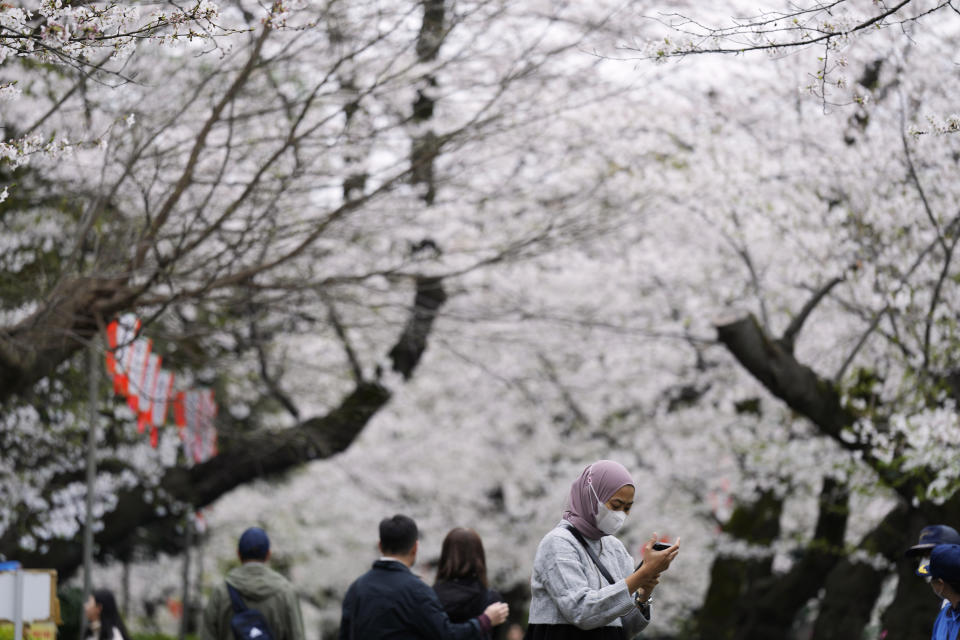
column 584, row 584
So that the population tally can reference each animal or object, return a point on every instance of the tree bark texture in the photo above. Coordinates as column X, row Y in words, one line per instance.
column 735, row 581
column 34, row 348
column 810, row 395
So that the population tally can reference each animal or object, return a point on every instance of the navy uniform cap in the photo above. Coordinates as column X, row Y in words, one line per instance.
column 931, row 536
column 253, row 543
column 945, row 563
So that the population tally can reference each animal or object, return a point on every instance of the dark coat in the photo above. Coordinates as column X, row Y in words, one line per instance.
column 390, row 602
column 465, row 598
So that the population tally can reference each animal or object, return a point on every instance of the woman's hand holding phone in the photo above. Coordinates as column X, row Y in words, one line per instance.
column 657, row 557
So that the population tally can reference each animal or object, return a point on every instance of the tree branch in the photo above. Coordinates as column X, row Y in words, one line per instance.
column 245, row 456
column 412, row 343
column 806, row 393
column 740, row 29
column 875, row 322
column 949, row 248
column 790, row 335
column 341, row 332
column 186, row 177
column 272, row 384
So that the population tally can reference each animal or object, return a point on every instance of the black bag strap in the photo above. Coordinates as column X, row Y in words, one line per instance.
column 238, row 605
column 590, row 552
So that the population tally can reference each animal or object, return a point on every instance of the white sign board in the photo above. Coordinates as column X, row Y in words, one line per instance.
column 37, row 588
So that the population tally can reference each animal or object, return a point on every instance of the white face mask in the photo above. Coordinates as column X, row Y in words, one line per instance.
column 608, row 520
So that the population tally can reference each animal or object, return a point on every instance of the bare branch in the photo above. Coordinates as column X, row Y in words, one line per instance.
column 273, row 386
column 341, row 332
column 935, row 299
column 915, row 178
column 788, row 339
column 186, row 176
column 760, row 28
column 580, row 418
column 875, row 321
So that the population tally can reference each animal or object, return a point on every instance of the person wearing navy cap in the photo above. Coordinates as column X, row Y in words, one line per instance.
column 943, row 575
column 931, row 536
column 259, row 587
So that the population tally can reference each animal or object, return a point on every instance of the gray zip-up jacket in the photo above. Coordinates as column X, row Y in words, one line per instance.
column 568, row 588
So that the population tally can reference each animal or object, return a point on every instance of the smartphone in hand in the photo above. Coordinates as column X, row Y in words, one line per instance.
column 657, row 546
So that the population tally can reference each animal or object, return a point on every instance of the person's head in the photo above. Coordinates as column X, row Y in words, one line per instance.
column 398, row 538
column 254, row 545
column 101, row 607
column 944, row 572
column 931, row 536
column 515, row 632
column 600, row 499
column 462, row 556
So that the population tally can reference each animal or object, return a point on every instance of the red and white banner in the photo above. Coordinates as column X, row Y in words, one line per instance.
column 137, row 372
column 162, row 397
column 138, row 375
column 147, row 393
column 195, row 411
column 120, row 336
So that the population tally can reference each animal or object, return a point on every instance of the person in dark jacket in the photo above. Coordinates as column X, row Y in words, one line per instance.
column 389, row 601
column 461, row 581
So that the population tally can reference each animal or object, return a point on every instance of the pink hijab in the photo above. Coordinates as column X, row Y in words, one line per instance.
column 606, row 477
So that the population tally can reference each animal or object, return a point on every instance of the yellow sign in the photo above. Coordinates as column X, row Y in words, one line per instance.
column 35, row 631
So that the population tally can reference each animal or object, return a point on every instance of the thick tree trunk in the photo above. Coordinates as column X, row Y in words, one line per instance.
column 775, row 608
column 853, row 587
column 735, row 581
column 745, row 601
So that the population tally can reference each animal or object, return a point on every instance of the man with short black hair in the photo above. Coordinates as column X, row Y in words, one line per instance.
column 260, row 588
column 390, row 602
column 943, row 574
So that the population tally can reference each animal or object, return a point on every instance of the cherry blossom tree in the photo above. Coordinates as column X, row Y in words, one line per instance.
column 276, row 221
column 717, row 272
column 876, row 289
